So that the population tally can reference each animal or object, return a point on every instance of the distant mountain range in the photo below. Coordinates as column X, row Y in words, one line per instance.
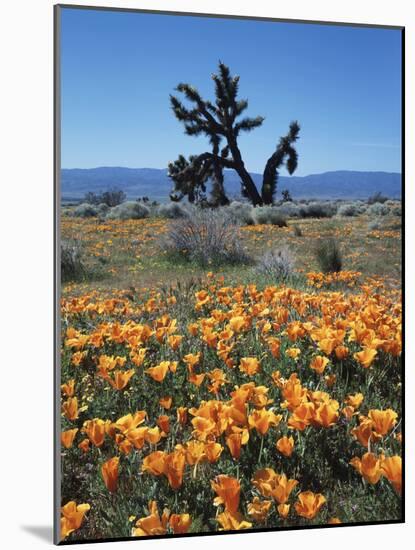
column 154, row 183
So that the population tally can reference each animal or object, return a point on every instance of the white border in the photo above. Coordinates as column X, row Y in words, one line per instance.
column 26, row 268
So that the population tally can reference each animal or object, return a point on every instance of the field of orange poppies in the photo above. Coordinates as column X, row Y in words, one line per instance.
column 200, row 401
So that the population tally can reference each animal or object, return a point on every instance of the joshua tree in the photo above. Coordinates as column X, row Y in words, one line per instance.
column 220, row 122
column 286, row 195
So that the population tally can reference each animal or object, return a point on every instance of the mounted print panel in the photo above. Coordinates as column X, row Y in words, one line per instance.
column 229, row 269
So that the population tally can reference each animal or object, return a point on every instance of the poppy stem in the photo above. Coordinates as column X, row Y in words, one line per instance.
column 260, row 449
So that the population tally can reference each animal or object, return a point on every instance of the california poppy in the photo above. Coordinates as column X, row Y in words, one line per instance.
column 109, row 472
column 309, row 504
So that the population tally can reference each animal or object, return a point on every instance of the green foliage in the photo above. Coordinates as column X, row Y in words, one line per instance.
column 129, row 211
column 172, row 210
column 206, row 237
column 351, row 209
column 242, row 212
column 269, row 215
column 328, row 255
column 72, row 263
column 85, row 210
column 378, row 209
column 318, row 210
column 277, row 265
column 112, row 197
column 297, row 231
column 377, row 197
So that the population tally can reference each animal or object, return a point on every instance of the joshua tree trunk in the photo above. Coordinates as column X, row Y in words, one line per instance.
column 249, row 187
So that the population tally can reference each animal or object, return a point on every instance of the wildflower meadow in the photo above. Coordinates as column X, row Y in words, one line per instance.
column 215, row 403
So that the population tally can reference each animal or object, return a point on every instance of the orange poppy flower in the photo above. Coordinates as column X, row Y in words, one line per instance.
column 67, row 437
column 354, row 400
column 192, row 359
column 259, row 509
column 72, row 517
column 365, row 357
column 383, row 421
column 293, row 353
column 319, row 363
column 68, row 388
column 302, row 416
column 109, row 472
column 180, row 523
column 363, row 432
column 203, row 427
column 174, row 341
column 237, row 323
column 121, row 379
column 174, row 464
column 154, row 524
column 249, row 365
column 232, row 521
column 163, row 422
column 334, row 521
column 154, row 463
column 392, row 470
column 152, row 435
column 341, row 352
column 166, row 402
column 228, row 490
column 369, row 466
column 95, row 430
column 70, row 408
column 158, row 373
column 326, row 414
column 196, row 379
column 213, row 451
column 263, row 419
column 285, row 445
column 84, row 445
column 330, row 380
column 182, row 415
column 235, row 440
column 193, row 328
column 309, row 504
column 129, row 422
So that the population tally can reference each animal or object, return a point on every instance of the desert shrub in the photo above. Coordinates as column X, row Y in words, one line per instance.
column 374, row 224
column 395, row 208
column 102, row 209
column 129, row 210
column 72, row 265
column 378, row 209
column 85, row 210
column 277, row 264
column 351, row 209
column 328, row 255
column 207, row 237
column 289, row 210
column 242, row 212
column 377, row 197
column 172, row 210
column 112, row 197
column 269, row 215
column 318, row 210
column 297, row 231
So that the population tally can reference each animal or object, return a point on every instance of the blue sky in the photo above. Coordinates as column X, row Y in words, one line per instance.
column 343, row 84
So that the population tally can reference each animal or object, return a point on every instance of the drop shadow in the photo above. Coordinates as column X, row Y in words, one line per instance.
column 42, row 532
